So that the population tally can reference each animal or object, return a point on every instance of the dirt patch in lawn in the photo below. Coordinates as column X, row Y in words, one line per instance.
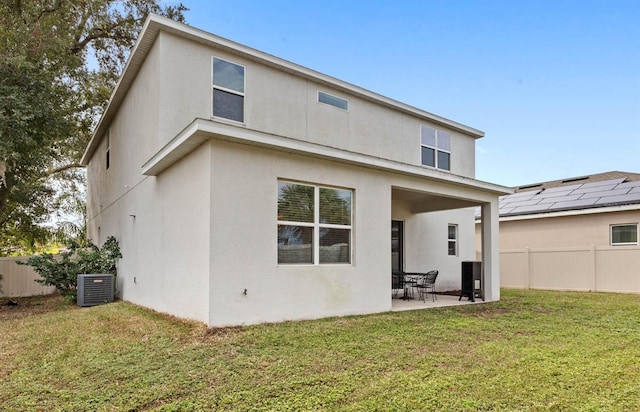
column 15, row 308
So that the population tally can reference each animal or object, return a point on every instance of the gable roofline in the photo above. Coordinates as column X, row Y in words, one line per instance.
column 576, row 180
column 155, row 24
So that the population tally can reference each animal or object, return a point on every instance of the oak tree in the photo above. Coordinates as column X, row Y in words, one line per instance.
column 59, row 62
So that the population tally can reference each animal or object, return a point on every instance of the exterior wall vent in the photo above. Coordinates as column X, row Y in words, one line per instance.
column 95, row 289
column 575, row 179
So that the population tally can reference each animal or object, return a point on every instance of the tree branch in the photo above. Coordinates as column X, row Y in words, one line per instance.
column 101, row 33
column 64, row 167
column 44, row 11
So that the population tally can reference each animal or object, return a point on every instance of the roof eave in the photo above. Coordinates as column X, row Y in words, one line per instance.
column 201, row 130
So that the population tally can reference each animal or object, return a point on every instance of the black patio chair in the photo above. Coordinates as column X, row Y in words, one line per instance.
column 425, row 283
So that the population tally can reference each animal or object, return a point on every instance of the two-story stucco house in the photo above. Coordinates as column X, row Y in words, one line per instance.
column 244, row 188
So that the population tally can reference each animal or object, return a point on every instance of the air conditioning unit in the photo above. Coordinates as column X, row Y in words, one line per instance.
column 95, row 289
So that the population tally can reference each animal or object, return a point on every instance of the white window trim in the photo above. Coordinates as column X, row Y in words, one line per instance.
column 624, row 243
column 316, row 225
column 436, row 149
column 454, row 240
column 330, row 105
column 224, row 89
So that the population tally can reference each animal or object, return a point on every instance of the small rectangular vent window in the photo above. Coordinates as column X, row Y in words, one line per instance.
column 334, row 101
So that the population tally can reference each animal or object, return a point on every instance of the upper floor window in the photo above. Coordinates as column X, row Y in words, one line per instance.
column 107, row 152
column 624, row 234
column 436, row 148
column 332, row 100
column 314, row 224
column 228, row 90
column 453, row 240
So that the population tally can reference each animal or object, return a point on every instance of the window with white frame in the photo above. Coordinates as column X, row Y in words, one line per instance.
column 332, row 100
column 314, row 224
column 626, row 234
column 435, row 148
column 228, row 90
column 453, row 240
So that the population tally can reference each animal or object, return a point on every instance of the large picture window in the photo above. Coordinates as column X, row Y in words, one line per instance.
column 228, row 90
column 624, row 234
column 435, row 148
column 314, row 224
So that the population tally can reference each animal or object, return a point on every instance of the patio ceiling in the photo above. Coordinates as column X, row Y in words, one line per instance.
column 424, row 202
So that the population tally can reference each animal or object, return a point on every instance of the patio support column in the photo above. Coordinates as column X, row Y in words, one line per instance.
column 491, row 250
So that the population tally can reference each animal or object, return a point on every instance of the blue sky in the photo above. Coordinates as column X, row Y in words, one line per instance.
column 554, row 84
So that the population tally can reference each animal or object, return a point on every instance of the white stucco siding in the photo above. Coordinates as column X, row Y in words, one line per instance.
column 275, row 102
column 244, row 241
column 132, row 139
column 193, row 199
column 426, row 242
column 162, row 228
column 184, row 85
column 282, row 103
column 165, row 247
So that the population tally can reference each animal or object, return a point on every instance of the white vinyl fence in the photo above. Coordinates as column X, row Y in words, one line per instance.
column 597, row 269
column 18, row 280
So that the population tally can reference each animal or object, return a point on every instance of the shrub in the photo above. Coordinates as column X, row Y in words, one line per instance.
column 62, row 270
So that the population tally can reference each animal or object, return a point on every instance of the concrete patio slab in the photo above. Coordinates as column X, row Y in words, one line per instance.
column 398, row 305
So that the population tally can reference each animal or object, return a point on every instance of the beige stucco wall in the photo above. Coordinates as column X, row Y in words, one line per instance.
column 194, row 237
column 133, row 138
column 281, row 103
column 244, row 233
column 563, row 231
column 568, row 252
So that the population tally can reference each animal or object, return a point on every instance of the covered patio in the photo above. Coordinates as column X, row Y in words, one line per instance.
column 433, row 229
column 442, row 300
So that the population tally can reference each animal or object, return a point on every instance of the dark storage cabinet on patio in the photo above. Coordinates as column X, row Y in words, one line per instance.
column 471, row 280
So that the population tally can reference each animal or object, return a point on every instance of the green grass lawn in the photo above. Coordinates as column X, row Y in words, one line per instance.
column 533, row 350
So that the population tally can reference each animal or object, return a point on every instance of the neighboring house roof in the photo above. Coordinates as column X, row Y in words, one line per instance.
column 155, row 24
column 603, row 190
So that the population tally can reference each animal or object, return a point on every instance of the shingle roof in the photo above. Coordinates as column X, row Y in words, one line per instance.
column 584, row 192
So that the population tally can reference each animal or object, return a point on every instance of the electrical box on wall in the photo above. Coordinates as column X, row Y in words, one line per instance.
column 95, row 289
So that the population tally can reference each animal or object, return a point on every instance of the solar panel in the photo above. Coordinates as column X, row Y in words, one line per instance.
column 573, row 204
column 587, row 189
column 554, row 193
column 631, row 197
column 628, row 184
column 575, row 196
column 524, row 203
column 603, row 183
column 561, row 199
column 533, row 208
column 614, row 192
